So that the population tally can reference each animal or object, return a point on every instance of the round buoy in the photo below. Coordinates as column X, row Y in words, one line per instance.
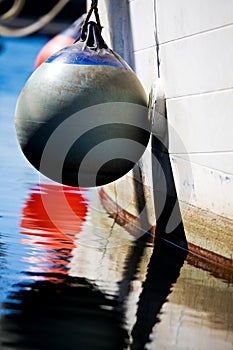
column 61, row 40
column 82, row 117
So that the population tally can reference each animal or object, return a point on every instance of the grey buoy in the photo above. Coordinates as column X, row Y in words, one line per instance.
column 81, row 119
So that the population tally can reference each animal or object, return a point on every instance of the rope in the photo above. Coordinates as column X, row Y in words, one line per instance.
column 94, row 7
column 6, row 31
column 14, row 10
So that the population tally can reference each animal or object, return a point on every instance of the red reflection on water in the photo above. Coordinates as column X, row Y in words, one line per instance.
column 52, row 217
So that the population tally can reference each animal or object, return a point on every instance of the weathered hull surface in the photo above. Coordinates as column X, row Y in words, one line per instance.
column 188, row 51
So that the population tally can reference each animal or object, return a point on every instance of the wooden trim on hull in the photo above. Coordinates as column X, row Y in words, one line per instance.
column 219, row 266
column 130, row 222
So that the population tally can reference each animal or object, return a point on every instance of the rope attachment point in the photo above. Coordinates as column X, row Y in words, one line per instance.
column 93, row 8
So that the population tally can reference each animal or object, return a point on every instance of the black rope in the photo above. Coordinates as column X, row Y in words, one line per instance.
column 94, row 7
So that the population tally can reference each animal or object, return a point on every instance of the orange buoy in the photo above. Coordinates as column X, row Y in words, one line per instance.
column 52, row 218
column 63, row 39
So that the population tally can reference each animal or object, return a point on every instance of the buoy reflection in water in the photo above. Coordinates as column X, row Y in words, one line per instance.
column 51, row 219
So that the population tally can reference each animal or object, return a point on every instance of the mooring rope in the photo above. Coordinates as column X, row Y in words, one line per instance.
column 94, row 7
column 14, row 10
column 32, row 28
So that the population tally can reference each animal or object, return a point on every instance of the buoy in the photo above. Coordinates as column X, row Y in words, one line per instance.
column 82, row 118
column 63, row 39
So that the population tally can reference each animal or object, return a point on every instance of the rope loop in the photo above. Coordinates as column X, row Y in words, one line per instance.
column 93, row 8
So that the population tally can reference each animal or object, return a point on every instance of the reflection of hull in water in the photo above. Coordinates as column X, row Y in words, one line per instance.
column 89, row 224
column 198, row 313
column 142, row 277
column 202, row 229
column 185, row 47
column 128, row 277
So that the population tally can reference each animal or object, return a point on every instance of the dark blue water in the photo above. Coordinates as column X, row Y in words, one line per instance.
column 74, row 278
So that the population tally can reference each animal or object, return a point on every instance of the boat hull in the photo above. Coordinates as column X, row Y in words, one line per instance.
column 189, row 52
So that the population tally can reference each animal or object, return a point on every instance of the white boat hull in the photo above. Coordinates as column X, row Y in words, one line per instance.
column 188, row 47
